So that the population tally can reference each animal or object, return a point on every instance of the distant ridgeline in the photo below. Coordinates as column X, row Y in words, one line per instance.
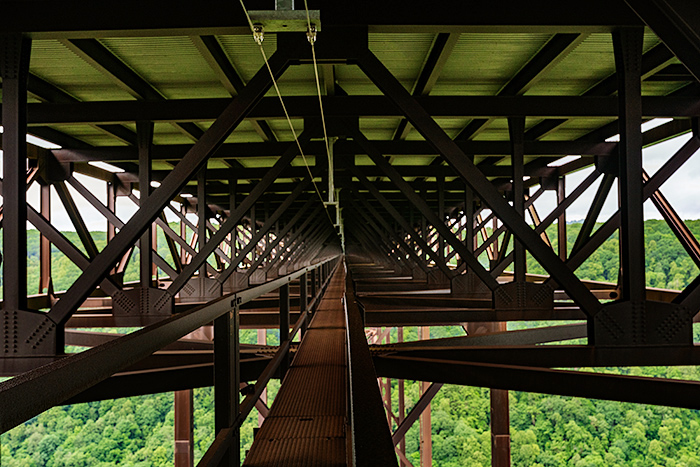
column 546, row 431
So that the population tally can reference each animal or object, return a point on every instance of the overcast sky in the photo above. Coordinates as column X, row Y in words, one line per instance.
column 682, row 190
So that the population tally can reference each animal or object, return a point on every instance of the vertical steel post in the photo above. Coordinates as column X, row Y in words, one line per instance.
column 45, row 244
column 202, row 222
column 516, row 129
column 500, row 428
column 112, row 206
column 314, row 288
column 627, row 44
column 262, row 340
column 469, row 214
column 426, row 433
column 15, row 51
column 184, row 436
column 441, row 213
column 423, row 227
column 561, row 222
column 253, row 230
column 387, row 388
column 494, row 245
column 227, row 380
column 500, row 419
column 144, row 137
column 232, row 187
column 303, row 302
column 284, row 326
column 183, row 232
column 402, row 404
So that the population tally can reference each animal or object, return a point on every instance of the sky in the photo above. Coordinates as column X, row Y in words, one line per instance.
column 682, row 190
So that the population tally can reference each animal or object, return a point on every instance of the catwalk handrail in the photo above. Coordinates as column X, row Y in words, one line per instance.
column 35, row 391
column 371, row 438
column 223, row 438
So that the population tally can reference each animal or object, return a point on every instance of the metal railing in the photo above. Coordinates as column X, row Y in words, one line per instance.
column 33, row 392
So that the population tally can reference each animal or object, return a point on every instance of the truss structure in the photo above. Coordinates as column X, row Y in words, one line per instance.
column 413, row 198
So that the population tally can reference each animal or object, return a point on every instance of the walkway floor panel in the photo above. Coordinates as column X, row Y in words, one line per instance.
column 307, row 421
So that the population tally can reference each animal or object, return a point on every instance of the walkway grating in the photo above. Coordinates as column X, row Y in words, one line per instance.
column 307, row 422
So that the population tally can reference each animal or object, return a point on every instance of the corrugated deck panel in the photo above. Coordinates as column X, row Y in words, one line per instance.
column 306, row 424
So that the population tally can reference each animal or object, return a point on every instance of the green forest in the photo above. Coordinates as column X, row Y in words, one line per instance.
column 546, row 431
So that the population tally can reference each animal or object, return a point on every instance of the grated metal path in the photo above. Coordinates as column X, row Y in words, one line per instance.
column 306, row 425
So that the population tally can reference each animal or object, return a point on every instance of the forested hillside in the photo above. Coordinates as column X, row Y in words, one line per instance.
column 546, row 431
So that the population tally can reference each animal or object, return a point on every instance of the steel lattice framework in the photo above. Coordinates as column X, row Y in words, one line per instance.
column 446, row 124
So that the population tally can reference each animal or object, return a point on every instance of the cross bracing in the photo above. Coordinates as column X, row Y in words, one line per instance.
column 439, row 135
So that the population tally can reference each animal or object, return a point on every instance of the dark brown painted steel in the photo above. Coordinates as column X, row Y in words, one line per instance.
column 516, row 130
column 15, row 52
column 424, row 123
column 184, row 435
column 371, row 441
column 170, row 187
column 676, row 24
column 627, row 44
column 227, row 378
column 27, row 395
column 415, row 412
column 673, row 393
column 144, row 135
column 177, row 110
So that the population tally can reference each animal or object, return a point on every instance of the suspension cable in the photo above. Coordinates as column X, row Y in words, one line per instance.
column 311, row 36
column 258, row 36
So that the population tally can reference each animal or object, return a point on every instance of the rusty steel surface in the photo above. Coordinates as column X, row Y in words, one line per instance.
column 307, row 421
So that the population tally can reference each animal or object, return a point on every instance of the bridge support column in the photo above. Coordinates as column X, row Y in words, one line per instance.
column 184, row 436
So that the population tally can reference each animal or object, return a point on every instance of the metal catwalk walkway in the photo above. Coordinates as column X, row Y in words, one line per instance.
column 307, row 422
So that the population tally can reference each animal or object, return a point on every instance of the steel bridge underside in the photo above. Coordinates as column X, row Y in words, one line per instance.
column 417, row 199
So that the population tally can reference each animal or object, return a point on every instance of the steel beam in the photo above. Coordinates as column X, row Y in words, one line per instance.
column 371, row 441
column 401, row 242
column 227, row 381
column 593, row 212
column 214, row 54
column 421, row 205
column 184, row 433
column 642, row 390
column 15, row 51
column 676, row 23
column 500, row 428
column 234, row 217
column 547, row 57
column 170, row 187
column 444, row 107
column 415, row 412
column 25, row 397
column 282, row 235
column 652, row 61
column 516, row 130
column 452, row 153
column 264, row 230
column 144, row 135
column 45, row 282
column 510, row 15
column 398, row 218
column 65, row 246
column 627, row 44
column 685, row 237
column 441, row 49
column 245, row 150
